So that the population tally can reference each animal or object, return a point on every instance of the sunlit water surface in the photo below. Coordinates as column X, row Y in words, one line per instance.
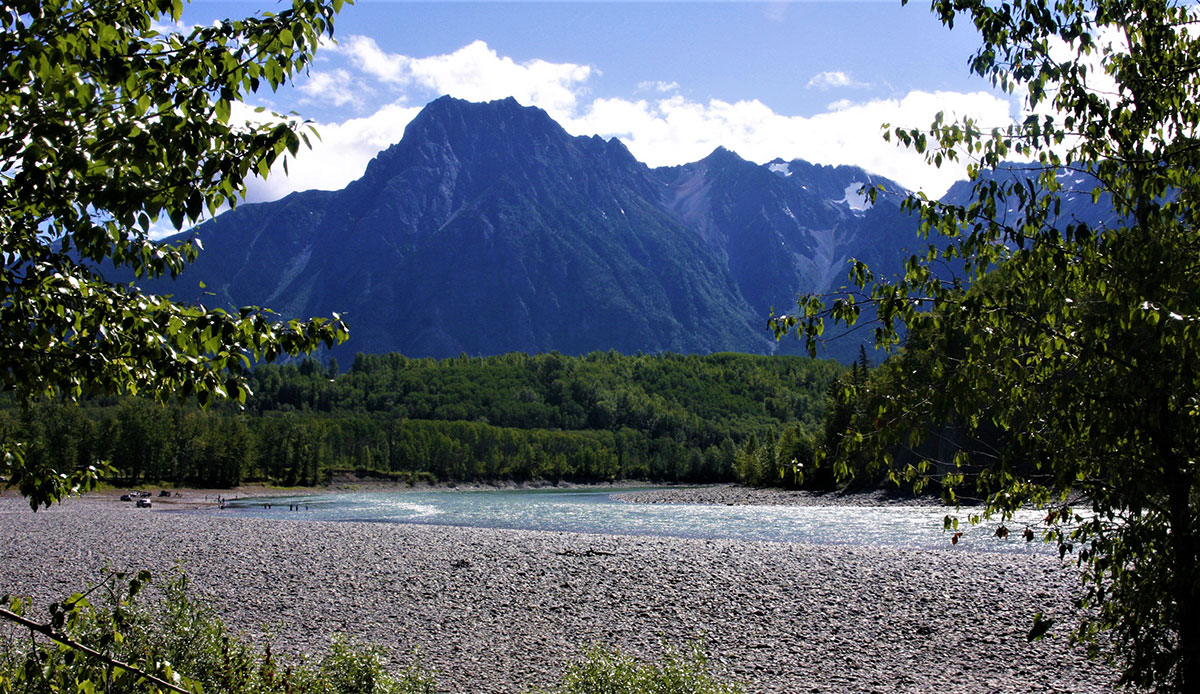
column 595, row 511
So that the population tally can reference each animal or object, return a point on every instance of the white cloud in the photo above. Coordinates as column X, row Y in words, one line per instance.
column 676, row 131
column 658, row 86
column 172, row 27
column 834, row 79
column 161, row 228
column 475, row 72
column 368, row 57
column 339, row 156
column 1109, row 40
column 336, row 88
column 663, row 129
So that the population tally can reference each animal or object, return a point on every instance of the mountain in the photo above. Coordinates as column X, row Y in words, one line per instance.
column 488, row 229
column 1075, row 193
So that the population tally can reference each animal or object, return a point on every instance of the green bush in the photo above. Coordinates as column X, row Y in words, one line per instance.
column 350, row 669
column 177, row 633
column 603, row 671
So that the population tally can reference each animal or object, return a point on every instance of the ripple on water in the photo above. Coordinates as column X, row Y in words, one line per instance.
column 592, row 511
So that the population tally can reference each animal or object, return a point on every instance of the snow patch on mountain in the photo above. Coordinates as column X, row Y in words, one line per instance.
column 853, row 199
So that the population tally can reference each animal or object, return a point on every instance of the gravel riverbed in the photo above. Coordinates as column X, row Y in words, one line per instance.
column 503, row 610
column 738, row 495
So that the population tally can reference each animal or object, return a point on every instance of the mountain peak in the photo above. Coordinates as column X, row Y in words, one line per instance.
column 451, row 133
column 493, row 211
column 455, row 115
column 722, row 155
column 447, row 104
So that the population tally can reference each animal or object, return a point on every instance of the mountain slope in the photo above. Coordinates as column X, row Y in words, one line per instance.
column 489, row 229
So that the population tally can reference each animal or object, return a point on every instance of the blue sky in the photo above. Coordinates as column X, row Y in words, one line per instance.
column 673, row 80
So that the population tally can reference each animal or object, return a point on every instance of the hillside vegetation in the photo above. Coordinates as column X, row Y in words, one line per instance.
column 514, row 417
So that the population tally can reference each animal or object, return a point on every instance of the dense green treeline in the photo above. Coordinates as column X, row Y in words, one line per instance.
column 603, row 416
column 694, row 398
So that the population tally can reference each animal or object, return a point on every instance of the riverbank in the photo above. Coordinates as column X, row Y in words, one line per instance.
column 649, row 493
column 194, row 498
column 738, row 495
column 502, row 610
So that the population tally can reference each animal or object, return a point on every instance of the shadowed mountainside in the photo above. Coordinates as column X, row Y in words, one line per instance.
column 489, row 229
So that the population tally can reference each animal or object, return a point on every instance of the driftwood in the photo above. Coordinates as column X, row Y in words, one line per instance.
column 589, row 552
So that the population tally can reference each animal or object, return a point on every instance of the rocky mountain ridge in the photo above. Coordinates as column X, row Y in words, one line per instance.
column 488, row 229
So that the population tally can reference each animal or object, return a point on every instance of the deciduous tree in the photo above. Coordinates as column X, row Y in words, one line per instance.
column 111, row 120
column 1081, row 348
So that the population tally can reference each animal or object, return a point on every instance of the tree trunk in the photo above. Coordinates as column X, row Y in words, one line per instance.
column 1187, row 582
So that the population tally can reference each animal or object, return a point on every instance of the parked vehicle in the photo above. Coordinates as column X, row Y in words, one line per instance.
column 144, row 503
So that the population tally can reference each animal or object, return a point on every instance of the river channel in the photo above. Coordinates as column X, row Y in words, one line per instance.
column 597, row 511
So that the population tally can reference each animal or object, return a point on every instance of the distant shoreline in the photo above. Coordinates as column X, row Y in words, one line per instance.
column 648, row 493
column 200, row 498
column 740, row 495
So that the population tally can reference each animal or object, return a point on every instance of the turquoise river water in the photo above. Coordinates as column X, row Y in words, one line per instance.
column 596, row 511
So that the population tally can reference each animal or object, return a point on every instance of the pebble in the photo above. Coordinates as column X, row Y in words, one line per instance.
column 505, row 610
column 738, row 495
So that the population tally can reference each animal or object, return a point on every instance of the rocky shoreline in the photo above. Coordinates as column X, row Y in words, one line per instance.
column 738, row 495
column 504, row 610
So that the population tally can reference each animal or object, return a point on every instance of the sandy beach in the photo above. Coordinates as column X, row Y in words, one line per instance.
column 503, row 610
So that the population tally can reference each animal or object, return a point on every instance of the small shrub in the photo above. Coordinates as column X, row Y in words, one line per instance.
column 351, row 668
column 603, row 671
column 178, row 634
column 173, row 636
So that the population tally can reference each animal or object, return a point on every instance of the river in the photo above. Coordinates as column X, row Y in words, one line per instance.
column 596, row 511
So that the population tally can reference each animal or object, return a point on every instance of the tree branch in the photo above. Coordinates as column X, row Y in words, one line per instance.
column 47, row 631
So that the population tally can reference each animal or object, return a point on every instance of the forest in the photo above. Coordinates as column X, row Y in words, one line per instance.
column 514, row 417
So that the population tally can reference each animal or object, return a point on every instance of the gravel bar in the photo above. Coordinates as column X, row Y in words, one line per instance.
column 503, row 610
column 737, row 495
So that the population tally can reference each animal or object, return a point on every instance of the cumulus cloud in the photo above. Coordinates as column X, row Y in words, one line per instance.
column 161, row 228
column 1109, row 39
column 675, row 131
column 368, row 57
column 474, row 72
column 834, row 79
column 335, row 88
column 338, row 156
column 477, row 73
column 662, row 128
